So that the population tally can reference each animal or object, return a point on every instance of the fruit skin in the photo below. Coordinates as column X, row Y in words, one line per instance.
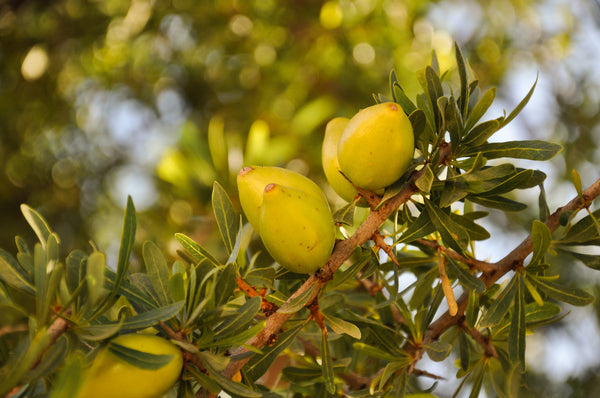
column 297, row 228
column 110, row 376
column 329, row 159
column 376, row 146
column 252, row 180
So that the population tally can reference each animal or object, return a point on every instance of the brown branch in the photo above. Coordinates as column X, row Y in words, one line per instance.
column 508, row 263
column 483, row 341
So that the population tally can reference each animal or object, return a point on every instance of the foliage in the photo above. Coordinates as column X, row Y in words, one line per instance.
column 234, row 317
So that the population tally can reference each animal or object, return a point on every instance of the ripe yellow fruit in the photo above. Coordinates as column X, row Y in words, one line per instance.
column 111, row 376
column 376, row 146
column 297, row 228
column 329, row 159
column 252, row 180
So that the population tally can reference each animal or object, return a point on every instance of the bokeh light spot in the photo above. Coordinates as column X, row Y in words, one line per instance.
column 364, row 53
column 331, row 15
column 241, row 25
column 35, row 63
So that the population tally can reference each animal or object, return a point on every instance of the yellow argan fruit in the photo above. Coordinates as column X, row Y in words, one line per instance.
column 329, row 159
column 111, row 376
column 376, row 146
column 297, row 228
column 252, row 180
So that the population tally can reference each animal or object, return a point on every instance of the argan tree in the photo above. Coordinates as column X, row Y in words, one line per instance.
column 350, row 328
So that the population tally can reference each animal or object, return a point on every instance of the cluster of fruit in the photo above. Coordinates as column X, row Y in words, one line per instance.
column 290, row 212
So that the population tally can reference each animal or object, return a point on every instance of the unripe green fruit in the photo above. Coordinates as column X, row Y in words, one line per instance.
column 111, row 376
column 329, row 159
column 376, row 146
column 297, row 228
column 252, row 180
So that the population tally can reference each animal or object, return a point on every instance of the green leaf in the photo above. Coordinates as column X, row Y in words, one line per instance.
column 378, row 353
column 569, row 295
column 260, row 363
column 454, row 123
column 218, row 146
column 127, row 289
column 225, row 215
column 226, row 283
column 466, row 278
column 533, row 291
column 419, row 228
column 543, row 204
column 96, row 264
column 236, row 339
column 516, row 332
column 480, row 133
column 69, row 379
column 341, row 326
column 176, row 287
column 40, row 278
column 12, row 273
column 139, row 321
column 535, row 313
column 464, row 349
column 438, row 350
column 526, row 149
column 205, row 381
column 521, row 105
column 501, row 185
column 419, row 122
column 342, row 276
column 425, row 181
column 37, row 223
column 197, row 251
column 139, row 359
column 452, row 233
column 500, row 306
column 541, row 238
column 127, row 241
column 452, row 191
column 497, row 202
column 480, row 108
column 243, row 316
column 76, row 266
column 345, row 214
column 327, row 365
column 158, row 271
column 232, row 387
column 584, row 232
column 590, row 260
column 401, row 98
column 475, row 231
column 297, row 303
column 463, row 100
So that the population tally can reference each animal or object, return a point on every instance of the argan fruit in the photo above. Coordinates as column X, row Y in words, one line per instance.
column 297, row 228
column 111, row 376
column 329, row 159
column 376, row 146
column 252, row 180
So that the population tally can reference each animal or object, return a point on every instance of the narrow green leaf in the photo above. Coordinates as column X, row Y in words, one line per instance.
column 243, row 316
column 225, row 215
column 197, row 251
column 452, row 233
column 419, row 228
column 535, row 313
column 340, row 277
column 37, row 223
column 577, row 182
column 454, row 123
column 226, row 284
column 590, row 260
column 129, row 290
column 452, row 191
column 259, row 364
column 341, row 326
column 234, row 388
column 521, row 105
column 176, row 287
column 480, row 108
column 584, row 232
column 139, row 321
column 526, row 149
column 327, row 365
column 500, row 306
column 401, row 98
column 40, row 278
column 12, row 273
column 438, row 350
column 425, row 181
column 76, row 269
column 236, row 339
column 533, row 292
column 218, row 146
column 497, row 202
column 378, row 353
column 516, row 331
column 463, row 100
column 297, row 303
column 541, row 238
column 477, row 380
column 475, row 231
column 464, row 350
column 96, row 264
column 569, row 295
column 205, row 381
column 158, row 271
column 466, row 278
column 345, row 214
column 139, row 359
column 479, row 134
column 418, row 120
column 543, row 204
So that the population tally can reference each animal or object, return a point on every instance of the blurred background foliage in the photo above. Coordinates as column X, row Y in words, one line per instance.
column 100, row 99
